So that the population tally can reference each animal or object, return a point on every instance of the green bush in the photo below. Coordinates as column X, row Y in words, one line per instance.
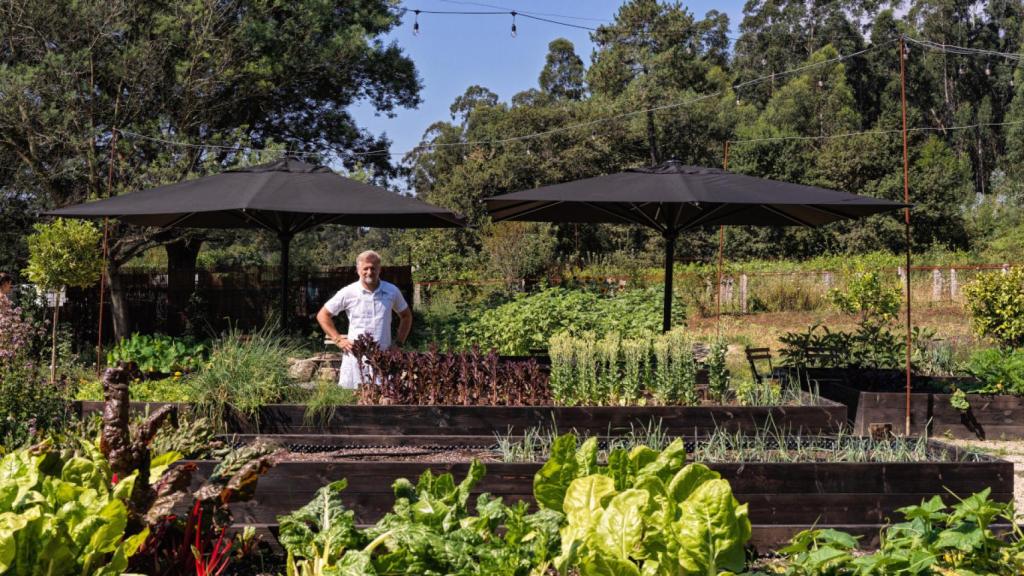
column 529, row 321
column 1000, row 371
column 158, row 353
column 996, row 304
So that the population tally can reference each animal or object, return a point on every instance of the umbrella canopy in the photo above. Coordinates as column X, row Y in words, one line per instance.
column 286, row 196
column 672, row 197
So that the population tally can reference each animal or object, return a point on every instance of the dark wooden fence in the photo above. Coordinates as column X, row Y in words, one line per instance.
column 242, row 298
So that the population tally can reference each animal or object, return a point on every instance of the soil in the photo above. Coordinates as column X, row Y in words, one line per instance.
column 395, row 454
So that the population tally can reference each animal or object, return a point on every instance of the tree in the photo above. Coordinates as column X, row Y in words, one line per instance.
column 563, row 73
column 64, row 253
column 91, row 91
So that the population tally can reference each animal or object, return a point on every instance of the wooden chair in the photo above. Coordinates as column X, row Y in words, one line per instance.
column 756, row 354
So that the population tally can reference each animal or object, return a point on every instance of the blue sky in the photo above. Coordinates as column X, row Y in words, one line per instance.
column 453, row 52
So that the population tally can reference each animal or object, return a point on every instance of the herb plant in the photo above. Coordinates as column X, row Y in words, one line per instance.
column 612, row 371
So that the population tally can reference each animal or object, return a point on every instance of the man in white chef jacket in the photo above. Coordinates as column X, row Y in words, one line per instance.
column 368, row 304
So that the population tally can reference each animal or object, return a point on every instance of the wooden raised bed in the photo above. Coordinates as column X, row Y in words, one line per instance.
column 826, row 417
column 783, row 497
column 995, row 416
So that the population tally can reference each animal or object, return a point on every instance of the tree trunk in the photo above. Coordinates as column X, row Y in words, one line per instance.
column 118, row 304
column 181, row 273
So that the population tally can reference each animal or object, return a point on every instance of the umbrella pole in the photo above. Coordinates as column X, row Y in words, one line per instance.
column 670, row 249
column 286, row 240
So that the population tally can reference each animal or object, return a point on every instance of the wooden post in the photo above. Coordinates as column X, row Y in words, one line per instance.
column 417, row 297
column 828, row 280
column 743, row 293
column 954, row 285
column 936, row 285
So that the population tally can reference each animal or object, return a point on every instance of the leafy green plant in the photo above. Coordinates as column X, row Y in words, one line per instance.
column 999, row 371
column 996, row 304
column 645, row 512
column 159, row 353
column 932, row 539
column 244, row 372
column 63, row 515
column 428, row 531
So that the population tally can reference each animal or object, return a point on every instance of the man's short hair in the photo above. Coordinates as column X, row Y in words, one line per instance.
column 367, row 255
column 5, row 278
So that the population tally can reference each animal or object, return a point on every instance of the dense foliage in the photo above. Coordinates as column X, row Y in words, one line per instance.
column 785, row 94
column 158, row 353
column 528, row 321
column 996, row 303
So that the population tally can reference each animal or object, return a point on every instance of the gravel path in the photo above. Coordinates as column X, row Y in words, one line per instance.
column 1012, row 450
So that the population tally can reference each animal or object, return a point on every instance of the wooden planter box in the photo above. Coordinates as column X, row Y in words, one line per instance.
column 783, row 497
column 826, row 417
column 996, row 416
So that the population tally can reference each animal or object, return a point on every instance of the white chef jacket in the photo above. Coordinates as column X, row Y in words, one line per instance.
column 369, row 312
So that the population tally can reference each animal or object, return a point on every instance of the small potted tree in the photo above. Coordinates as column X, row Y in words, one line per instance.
column 63, row 253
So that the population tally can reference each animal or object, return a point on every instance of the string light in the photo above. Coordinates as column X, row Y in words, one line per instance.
column 513, row 23
column 416, row 23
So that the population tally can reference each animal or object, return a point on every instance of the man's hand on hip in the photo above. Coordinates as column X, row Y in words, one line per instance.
column 341, row 341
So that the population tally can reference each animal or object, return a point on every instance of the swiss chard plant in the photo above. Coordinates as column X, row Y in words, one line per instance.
column 646, row 512
column 64, row 513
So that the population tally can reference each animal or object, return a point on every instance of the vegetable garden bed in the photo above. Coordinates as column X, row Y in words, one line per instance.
column 784, row 497
column 992, row 416
column 820, row 415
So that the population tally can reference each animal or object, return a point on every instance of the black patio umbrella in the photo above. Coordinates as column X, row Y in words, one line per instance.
column 286, row 196
column 672, row 197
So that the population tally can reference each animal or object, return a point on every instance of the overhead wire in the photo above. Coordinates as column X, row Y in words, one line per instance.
column 630, row 114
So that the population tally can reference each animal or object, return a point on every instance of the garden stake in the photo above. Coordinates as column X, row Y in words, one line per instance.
column 103, row 276
column 721, row 246
column 906, row 215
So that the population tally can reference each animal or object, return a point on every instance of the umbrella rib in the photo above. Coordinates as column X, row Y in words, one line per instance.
column 703, row 218
column 177, row 221
column 789, row 217
column 635, row 208
column 257, row 221
column 544, row 205
column 625, row 217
